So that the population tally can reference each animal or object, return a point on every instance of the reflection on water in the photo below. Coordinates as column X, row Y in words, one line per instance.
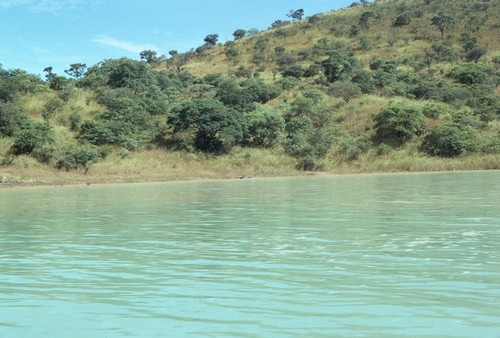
column 375, row 255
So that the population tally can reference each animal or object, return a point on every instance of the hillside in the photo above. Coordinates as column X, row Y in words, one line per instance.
column 394, row 85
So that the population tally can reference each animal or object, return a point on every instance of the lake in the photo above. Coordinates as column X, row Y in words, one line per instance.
column 389, row 255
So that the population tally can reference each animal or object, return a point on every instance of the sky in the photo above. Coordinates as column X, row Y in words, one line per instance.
column 35, row 34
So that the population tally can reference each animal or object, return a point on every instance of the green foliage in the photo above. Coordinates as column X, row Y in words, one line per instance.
column 402, row 20
column 72, row 158
column 449, row 140
column 349, row 148
column 339, row 65
column 265, row 127
column 76, row 70
column 398, row 123
column 468, row 41
column 444, row 51
column 475, row 54
column 493, row 146
column 473, row 74
column 211, row 39
column 296, row 14
column 345, row 90
column 216, row 128
column 287, row 82
column 232, row 52
column 364, row 19
column 34, row 135
column 293, row 70
column 12, row 119
column 15, row 83
column 242, row 96
column 443, row 23
column 96, row 133
column 239, row 33
column 435, row 110
column 150, row 56
column 74, row 120
column 120, row 73
column 307, row 137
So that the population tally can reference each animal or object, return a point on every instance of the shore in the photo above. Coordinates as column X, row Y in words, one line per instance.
column 157, row 166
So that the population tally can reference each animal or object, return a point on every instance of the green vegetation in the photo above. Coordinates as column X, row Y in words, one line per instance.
column 391, row 85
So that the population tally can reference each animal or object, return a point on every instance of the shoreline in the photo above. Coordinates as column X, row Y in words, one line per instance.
column 117, row 180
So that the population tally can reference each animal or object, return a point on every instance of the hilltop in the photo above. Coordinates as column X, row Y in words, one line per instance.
column 393, row 85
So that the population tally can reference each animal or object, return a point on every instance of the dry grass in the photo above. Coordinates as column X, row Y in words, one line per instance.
column 158, row 165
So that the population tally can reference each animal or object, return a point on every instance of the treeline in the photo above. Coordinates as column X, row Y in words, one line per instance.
column 441, row 98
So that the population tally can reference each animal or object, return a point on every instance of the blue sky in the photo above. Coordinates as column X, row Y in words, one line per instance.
column 35, row 34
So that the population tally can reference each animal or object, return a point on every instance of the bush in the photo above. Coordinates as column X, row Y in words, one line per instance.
column 398, row 123
column 402, row 20
column 12, row 119
column 215, row 127
column 74, row 158
column 96, row 134
column 264, row 127
column 475, row 54
column 493, row 146
column 469, row 75
column 435, row 110
column 450, row 140
column 36, row 135
column 345, row 90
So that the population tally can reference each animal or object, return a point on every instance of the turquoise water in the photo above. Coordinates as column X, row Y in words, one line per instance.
column 369, row 255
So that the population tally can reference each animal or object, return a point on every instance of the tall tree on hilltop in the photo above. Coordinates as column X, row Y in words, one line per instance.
column 296, row 14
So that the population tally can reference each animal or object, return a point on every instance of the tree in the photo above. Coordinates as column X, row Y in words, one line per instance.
column 239, row 33
column 296, row 14
column 211, row 39
column 173, row 53
column 398, row 123
column 345, row 89
column 215, row 127
column 49, row 71
column 443, row 23
column 76, row 70
column 338, row 65
column 150, row 56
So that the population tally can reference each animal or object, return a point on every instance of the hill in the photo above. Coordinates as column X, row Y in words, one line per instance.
column 393, row 85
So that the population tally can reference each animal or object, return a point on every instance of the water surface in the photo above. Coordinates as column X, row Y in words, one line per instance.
column 369, row 255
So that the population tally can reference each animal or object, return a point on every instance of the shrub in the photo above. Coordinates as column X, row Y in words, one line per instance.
column 76, row 157
column 215, row 127
column 74, row 120
column 398, row 123
column 293, row 70
column 345, row 90
column 469, row 75
column 434, row 110
column 475, row 54
column 493, row 146
column 35, row 135
column 264, row 127
column 12, row 119
column 96, row 133
column 450, row 140
column 402, row 20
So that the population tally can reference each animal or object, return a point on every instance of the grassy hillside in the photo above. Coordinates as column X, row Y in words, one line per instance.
column 394, row 85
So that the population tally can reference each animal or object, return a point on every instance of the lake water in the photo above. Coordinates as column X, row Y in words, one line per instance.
column 369, row 255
